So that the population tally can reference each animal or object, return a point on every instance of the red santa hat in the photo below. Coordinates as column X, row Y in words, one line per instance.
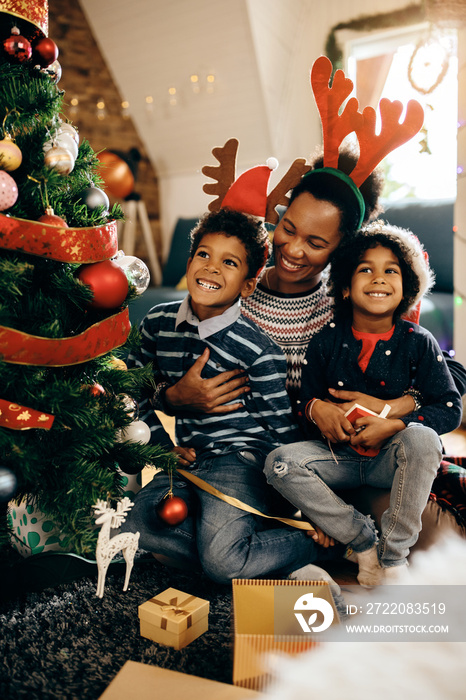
column 248, row 194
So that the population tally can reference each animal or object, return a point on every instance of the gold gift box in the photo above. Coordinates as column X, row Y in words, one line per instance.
column 173, row 618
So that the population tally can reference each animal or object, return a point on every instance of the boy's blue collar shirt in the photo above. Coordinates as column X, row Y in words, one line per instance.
column 210, row 325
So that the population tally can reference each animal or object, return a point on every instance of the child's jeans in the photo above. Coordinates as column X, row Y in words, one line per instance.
column 231, row 543
column 306, row 473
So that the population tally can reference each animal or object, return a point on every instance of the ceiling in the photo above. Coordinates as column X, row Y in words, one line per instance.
column 259, row 52
column 156, row 46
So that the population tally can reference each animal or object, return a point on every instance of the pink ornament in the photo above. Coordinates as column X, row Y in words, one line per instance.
column 8, row 191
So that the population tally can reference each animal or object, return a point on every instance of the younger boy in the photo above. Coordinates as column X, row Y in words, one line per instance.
column 375, row 278
column 228, row 249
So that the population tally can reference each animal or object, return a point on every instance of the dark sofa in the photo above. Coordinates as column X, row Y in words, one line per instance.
column 431, row 221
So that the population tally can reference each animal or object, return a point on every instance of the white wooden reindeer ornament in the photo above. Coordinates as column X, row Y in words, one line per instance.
column 107, row 547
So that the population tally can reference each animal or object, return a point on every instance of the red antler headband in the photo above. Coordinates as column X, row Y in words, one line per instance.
column 247, row 193
column 335, row 127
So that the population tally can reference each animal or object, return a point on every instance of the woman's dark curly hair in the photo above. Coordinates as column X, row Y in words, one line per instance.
column 249, row 230
column 347, row 256
column 328, row 188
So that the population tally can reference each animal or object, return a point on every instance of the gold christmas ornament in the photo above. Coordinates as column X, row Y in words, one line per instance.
column 10, row 155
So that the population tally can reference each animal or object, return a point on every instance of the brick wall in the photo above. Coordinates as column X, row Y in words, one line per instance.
column 86, row 76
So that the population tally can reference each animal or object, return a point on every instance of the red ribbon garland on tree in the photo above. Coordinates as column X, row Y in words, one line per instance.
column 17, row 417
column 71, row 245
column 21, row 348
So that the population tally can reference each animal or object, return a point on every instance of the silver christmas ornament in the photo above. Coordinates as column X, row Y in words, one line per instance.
column 135, row 270
column 93, row 198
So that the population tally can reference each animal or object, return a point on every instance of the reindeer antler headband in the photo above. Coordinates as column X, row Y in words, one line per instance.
column 335, row 127
column 248, row 192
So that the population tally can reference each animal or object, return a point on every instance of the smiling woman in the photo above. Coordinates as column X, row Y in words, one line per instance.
column 290, row 302
column 307, row 234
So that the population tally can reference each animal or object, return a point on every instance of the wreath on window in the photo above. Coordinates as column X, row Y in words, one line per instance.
column 417, row 58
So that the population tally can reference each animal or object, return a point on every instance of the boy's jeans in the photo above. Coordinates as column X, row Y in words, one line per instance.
column 306, row 473
column 231, row 543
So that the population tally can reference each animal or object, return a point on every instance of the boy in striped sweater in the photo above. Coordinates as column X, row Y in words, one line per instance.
column 228, row 250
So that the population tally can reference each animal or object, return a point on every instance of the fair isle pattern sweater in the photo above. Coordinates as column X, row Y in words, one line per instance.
column 291, row 320
column 173, row 344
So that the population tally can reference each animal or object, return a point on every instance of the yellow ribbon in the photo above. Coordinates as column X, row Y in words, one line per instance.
column 232, row 501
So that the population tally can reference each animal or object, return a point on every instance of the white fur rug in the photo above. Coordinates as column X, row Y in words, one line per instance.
column 384, row 670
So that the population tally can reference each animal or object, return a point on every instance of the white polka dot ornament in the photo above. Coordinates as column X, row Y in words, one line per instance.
column 8, row 191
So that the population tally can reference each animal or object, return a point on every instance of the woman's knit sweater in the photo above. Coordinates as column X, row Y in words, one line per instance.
column 291, row 320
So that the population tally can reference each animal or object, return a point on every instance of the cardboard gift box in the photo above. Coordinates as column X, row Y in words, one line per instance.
column 155, row 682
column 270, row 617
column 173, row 618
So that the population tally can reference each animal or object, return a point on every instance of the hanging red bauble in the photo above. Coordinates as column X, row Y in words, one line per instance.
column 108, row 283
column 172, row 510
column 17, row 47
column 45, row 52
column 52, row 219
column 96, row 390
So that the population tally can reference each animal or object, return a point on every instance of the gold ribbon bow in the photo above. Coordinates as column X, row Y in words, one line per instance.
column 173, row 606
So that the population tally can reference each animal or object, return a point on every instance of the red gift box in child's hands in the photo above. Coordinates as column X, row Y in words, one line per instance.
column 357, row 411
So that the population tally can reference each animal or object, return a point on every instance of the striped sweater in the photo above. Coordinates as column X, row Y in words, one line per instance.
column 173, row 339
column 291, row 320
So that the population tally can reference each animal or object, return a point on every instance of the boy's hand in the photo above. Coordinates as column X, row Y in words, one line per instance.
column 186, row 455
column 331, row 421
column 374, row 431
column 321, row 537
column 399, row 407
column 193, row 393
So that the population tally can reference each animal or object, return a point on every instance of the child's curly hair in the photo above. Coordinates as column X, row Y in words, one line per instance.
column 249, row 230
column 417, row 276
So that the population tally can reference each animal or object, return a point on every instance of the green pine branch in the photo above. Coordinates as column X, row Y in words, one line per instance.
column 63, row 471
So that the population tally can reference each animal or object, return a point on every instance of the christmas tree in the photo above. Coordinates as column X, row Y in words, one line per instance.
column 69, row 430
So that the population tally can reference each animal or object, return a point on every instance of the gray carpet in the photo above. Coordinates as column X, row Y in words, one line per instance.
column 64, row 642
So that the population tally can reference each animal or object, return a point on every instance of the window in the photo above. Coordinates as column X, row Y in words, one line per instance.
column 421, row 63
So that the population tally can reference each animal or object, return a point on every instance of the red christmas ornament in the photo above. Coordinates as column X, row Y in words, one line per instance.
column 96, row 390
column 45, row 52
column 17, row 46
column 172, row 510
column 108, row 283
column 52, row 219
